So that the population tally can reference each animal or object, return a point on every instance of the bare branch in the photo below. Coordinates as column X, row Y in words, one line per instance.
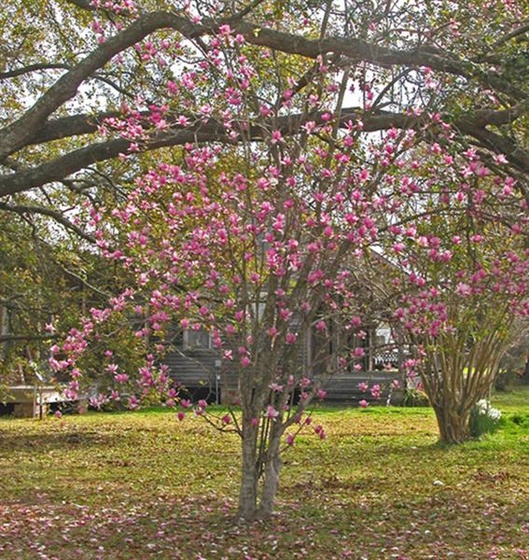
column 22, row 209
column 26, row 337
column 32, row 68
column 522, row 30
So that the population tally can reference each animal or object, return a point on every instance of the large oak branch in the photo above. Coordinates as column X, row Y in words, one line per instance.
column 19, row 133
column 211, row 131
column 214, row 131
column 16, row 135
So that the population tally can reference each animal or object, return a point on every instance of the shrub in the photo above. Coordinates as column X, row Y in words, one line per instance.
column 415, row 397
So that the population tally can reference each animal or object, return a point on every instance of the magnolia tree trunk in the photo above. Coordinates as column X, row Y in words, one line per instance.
column 450, row 399
column 249, row 471
column 456, row 376
column 259, row 475
column 272, row 468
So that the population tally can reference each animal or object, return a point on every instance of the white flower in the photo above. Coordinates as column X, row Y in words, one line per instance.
column 483, row 408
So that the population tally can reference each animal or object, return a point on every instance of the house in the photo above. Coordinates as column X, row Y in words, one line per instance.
column 197, row 366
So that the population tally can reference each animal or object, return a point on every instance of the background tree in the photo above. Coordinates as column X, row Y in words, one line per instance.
column 514, row 364
column 38, row 284
column 463, row 275
column 48, row 280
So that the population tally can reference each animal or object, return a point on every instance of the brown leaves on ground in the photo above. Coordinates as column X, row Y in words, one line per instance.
column 144, row 485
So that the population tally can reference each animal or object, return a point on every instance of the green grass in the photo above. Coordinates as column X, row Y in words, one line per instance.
column 515, row 398
column 143, row 485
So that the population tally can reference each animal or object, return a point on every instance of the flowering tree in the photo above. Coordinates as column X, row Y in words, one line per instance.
column 463, row 276
column 294, row 150
column 261, row 246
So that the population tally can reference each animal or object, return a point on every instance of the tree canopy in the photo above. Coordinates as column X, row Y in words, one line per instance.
column 467, row 62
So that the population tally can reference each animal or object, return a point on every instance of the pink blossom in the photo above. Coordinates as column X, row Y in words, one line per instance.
column 290, row 338
column 320, row 431
column 463, row 289
column 358, row 352
column 276, row 136
column 224, row 30
column 363, row 403
column 375, row 391
column 271, row 412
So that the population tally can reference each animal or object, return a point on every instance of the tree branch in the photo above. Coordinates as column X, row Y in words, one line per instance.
column 22, row 209
column 214, row 131
column 211, row 131
column 16, row 135
column 31, row 68
column 83, row 4
column 33, row 127
column 19, row 133
column 27, row 337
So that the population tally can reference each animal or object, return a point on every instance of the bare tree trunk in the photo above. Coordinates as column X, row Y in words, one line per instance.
column 454, row 426
column 4, row 330
column 261, row 466
column 272, row 469
column 249, row 471
column 525, row 374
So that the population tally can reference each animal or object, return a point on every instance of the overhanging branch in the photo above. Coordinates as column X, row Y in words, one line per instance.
column 19, row 133
column 214, row 131
column 22, row 209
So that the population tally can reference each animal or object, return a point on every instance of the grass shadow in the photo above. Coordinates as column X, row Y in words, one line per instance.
column 13, row 441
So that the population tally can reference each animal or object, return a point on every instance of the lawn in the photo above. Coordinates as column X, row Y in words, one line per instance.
column 144, row 485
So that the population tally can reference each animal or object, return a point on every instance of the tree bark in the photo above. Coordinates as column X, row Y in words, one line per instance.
column 259, row 471
column 249, row 473
column 454, row 426
column 271, row 477
column 525, row 374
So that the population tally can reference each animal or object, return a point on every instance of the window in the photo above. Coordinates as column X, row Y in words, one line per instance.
column 197, row 340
